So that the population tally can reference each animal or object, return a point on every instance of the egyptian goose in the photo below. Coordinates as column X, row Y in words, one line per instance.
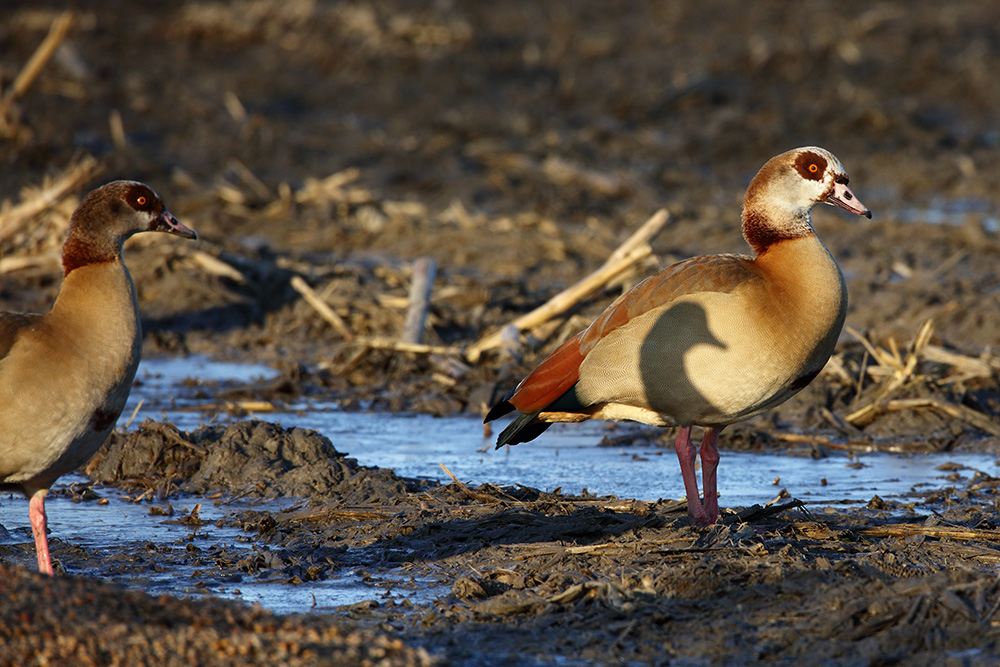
column 65, row 375
column 711, row 340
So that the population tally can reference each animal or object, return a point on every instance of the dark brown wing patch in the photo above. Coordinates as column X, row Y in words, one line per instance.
column 810, row 166
column 141, row 198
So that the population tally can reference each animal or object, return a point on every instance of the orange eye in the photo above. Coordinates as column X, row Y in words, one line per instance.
column 813, row 168
column 141, row 201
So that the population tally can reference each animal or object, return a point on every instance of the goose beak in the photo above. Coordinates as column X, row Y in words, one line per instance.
column 171, row 225
column 845, row 199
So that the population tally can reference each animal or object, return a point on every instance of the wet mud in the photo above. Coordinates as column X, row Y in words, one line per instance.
column 517, row 144
column 243, row 458
column 516, row 575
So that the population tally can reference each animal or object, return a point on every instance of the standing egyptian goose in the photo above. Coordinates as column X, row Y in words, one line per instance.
column 65, row 375
column 711, row 340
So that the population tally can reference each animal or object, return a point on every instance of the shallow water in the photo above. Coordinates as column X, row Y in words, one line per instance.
column 415, row 446
column 565, row 456
column 935, row 210
column 123, row 526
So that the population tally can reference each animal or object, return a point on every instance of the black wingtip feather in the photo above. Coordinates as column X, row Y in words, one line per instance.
column 523, row 429
column 499, row 410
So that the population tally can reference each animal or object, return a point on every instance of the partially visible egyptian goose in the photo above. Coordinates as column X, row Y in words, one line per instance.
column 711, row 340
column 65, row 375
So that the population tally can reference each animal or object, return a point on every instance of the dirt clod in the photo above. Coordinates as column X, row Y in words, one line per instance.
column 246, row 458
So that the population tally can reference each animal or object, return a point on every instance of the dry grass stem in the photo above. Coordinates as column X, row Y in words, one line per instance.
column 563, row 172
column 968, row 368
column 57, row 32
column 117, row 129
column 642, row 236
column 47, row 196
column 327, row 313
column 465, row 489
column 247, row 406
column 850, row 444
column 332, row 189
column 570, row 297
column 138, row 406
column 969, row 416
column 402, row 346
column 49, row 260
column 758, row 513
column 421, row 289
column 896, row 371
column 260, row 190
column 902, row 369
column 908, row 530
column 217, row 267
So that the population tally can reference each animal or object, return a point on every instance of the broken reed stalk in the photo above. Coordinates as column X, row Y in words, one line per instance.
column 57, row 32
column 465, row 489
column 902, row 370
column 135, row 412
column 421, row 288
column 853, row 444
column 320, row 306
column 230, row 407
column 331, row 188
column 968, row 367
column 561, row 302
column 218, row 267
column 960, row 412
column 402, row 346
column 757, row 513
column 563, row 172
column 50, row 260
column 642, row 236
column 119, row 138
column 50, row 195
column 630, row 253
column 907, row 530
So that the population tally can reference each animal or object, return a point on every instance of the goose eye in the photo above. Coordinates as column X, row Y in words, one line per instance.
column 141, row 199
column 813, row 168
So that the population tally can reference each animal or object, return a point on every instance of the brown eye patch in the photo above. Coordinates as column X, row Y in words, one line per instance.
column 141, row 198
column 810, row 165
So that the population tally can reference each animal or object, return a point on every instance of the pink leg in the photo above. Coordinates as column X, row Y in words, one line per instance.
column 686, row 455
column 36, row 512
column 709, row 465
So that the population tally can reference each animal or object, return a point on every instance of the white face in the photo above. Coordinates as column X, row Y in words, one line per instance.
column 818, row 170
column 825, row 180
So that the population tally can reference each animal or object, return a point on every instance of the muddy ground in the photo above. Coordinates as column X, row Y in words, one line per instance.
column 518, row 144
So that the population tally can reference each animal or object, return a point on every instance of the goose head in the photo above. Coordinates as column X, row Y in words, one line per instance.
column 781, row 196
column 111, row 214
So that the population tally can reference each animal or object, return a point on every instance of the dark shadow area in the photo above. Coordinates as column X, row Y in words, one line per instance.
column 443, row 539
column 666, row 380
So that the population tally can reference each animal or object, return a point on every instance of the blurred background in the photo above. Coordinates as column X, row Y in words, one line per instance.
column 517, row 143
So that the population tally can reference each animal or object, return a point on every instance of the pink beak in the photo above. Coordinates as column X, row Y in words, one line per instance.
column 845, row 199
column 171, row 225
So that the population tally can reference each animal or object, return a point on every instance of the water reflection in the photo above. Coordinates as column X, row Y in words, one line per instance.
column 415, row 445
